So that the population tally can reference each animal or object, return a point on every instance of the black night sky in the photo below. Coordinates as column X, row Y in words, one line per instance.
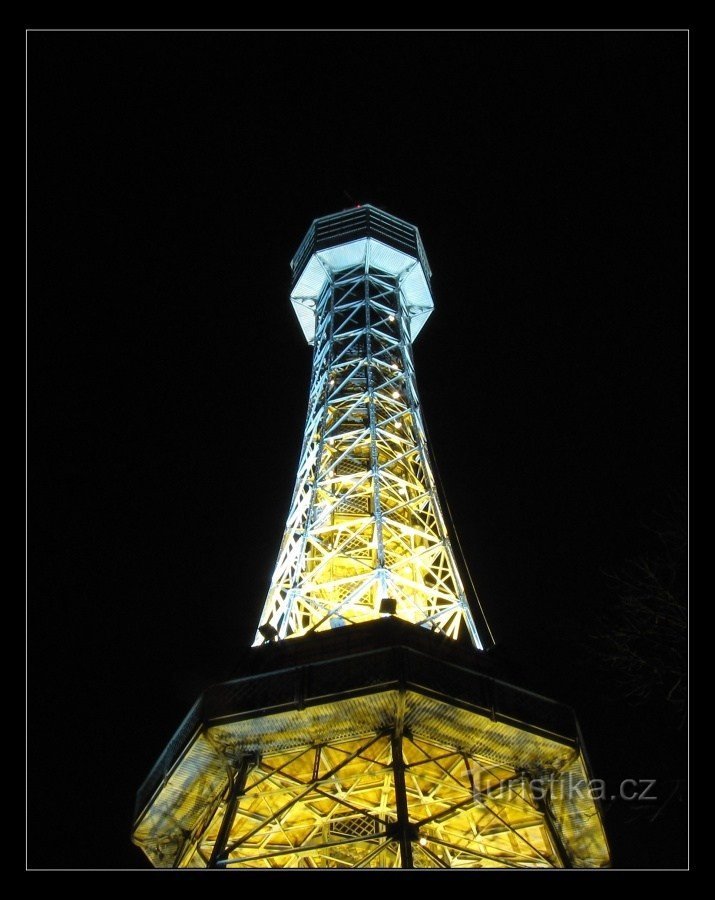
column 171, row 178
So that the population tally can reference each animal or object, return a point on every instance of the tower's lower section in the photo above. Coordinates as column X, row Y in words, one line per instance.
column 385, row 758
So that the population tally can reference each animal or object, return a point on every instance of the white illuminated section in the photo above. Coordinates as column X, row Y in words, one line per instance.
column 415, row 292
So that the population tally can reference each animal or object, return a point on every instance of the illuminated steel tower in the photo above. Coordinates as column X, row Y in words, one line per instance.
column 360, row 732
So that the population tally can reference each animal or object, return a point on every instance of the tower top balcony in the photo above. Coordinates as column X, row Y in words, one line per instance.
column 361, row 236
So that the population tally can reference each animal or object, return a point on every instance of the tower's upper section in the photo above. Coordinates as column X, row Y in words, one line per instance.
column 365, row 535
column 361, row 237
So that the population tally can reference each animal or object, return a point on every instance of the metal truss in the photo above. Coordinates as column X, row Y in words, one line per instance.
column 382, row 757
column 366, row 747
column 365, row 523
column 383, row 800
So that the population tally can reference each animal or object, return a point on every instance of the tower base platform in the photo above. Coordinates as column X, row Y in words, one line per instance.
column 375, row 746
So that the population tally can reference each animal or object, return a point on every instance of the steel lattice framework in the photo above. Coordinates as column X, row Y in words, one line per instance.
column 335, row 805
column 366, row 523
column 385, row 759
column 386, row 743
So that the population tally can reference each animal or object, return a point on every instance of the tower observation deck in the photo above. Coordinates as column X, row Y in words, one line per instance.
column 360, row 731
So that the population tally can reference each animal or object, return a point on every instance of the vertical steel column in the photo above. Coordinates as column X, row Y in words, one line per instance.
column 404, row 832
column 544, row 807
column 374, row 461
column 236, row 789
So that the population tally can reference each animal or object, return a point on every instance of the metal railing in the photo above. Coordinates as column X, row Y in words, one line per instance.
column 357, row 673
column 353, row 224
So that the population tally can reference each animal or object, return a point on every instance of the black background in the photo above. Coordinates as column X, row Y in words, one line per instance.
column 171, row 178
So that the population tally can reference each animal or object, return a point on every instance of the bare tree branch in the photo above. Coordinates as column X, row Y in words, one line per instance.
column 644, row 637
